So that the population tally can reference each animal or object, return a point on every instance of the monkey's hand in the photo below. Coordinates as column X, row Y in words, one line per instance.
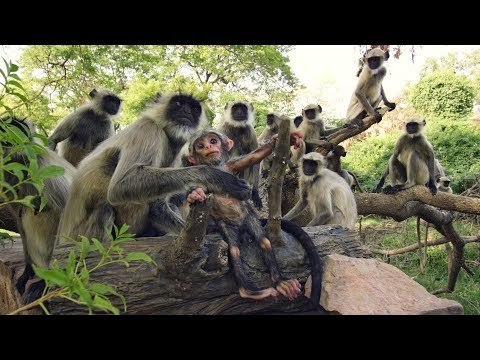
column 391, row 106
column 256, row 199
column 389, row 190
column 377, row 116
column 197, row 194
column 219, row 181
column 432, row 187
column 289, row 288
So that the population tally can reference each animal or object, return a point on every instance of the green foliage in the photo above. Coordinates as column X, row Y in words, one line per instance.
column 457, row 146
column 73, row 281
column 60, row 76
column 443, row 95
column 368, row 159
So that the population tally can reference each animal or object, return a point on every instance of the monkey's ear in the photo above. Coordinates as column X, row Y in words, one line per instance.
column 319, row 109
column 229, row 144
column 93, row 93
column 226, row 106
column 387, row 55
column 252, row 106
column 424, row 123
column 192, row 159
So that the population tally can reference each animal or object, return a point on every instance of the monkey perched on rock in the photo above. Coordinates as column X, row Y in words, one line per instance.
column 412, row 162
column 236, row 218
column 237, row 123
column 81, row 131
column 118, row 182
column 369, row 90
column 330, row 198
column 37, row 228
column 334, row 164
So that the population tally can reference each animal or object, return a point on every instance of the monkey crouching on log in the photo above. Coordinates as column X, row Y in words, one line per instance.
column 236, row 218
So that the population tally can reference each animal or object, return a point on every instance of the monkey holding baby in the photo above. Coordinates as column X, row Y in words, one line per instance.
column 235, row 218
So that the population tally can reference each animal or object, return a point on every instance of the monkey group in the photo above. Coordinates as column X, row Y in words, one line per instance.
column 148, row 174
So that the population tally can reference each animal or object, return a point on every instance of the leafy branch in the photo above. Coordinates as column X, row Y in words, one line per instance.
column 73, row 281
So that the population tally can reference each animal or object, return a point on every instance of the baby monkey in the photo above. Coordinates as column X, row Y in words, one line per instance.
column 234, row 217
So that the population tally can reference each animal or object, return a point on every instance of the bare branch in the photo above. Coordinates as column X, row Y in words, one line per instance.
column 413, row 247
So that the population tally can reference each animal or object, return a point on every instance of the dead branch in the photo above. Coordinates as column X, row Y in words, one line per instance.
column 345, row 133
column 274, row 187
column 413, row 247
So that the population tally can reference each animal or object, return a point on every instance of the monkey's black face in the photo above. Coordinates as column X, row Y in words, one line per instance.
column 184, row 110
column 297, row 121
column 270, row 118
column 239, row 112
column 446, row 183
column 111, row 104
column 374, row 62
column 310, row 167
column 412, row 128
column 310, row 114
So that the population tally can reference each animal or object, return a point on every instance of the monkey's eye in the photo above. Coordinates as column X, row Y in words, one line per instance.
column 178, row 104
column 200, row 146
column 213, row 141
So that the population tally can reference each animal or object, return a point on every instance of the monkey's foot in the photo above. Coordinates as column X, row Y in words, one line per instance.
column 258, row 294
column 289, row 288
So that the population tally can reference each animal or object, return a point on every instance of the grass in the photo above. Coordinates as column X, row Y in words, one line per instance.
column 388, row 234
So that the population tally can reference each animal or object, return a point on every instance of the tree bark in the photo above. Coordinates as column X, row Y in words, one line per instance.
column 208, row 287
column 280, row 157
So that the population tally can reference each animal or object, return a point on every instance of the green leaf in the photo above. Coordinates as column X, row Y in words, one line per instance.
column 3, row 74
column 83, row 293
column 139, row 256
column 53, row 276
column 104, row 304
column 15, row 76
column 70, row 268
column 102, row 289
column 85, row 248
column 84, row 275
column 99, row 246
column 13, row 67
column 50, row 171
column 20, row 96
column 15, row 83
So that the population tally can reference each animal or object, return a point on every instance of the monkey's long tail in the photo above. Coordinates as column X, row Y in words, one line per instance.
column 316, row 264
column 356, row 181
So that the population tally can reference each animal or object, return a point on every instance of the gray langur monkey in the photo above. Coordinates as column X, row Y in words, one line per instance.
column 443, row 185
column 121, row 179
column 312, row 125
column 38, row 228
column 334, row 164
column 237, row 123
column 330, row 198
column 412, row 162
column 80, row 132
column 369, row 90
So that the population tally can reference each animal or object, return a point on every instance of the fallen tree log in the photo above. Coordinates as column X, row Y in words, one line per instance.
column 209, row 286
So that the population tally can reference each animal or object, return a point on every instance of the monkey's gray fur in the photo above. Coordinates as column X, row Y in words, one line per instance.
column 330, row 198
column 369, row 90
column 237, row 123
column 81, row 131
column 38, row 228
column 412, row 162
column 120, row 179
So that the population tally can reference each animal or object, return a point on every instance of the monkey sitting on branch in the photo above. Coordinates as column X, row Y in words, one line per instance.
column 236, row 219
column 412, row 162
column 369, row 90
